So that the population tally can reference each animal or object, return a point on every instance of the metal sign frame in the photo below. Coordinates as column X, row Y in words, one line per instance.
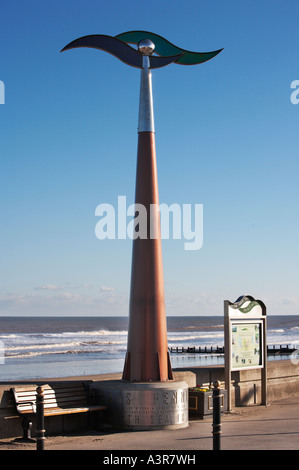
column 242, row 315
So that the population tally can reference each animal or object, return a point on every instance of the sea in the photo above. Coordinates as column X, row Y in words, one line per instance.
column 54, row 347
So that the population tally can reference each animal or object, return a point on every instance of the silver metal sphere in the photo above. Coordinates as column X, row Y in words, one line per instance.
column 146, row 47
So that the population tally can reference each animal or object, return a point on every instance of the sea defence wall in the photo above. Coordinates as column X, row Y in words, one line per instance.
column 11, row 422
column 283, row 382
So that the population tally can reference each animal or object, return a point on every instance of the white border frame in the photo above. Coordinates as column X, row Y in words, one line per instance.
column 254, row 322
column 233, row 314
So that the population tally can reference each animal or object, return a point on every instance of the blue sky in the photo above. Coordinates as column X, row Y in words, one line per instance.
column 226, row 137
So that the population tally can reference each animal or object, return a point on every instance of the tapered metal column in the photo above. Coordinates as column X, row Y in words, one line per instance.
column 147, row 357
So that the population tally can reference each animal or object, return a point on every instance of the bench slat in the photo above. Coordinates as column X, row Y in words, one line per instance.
column 56, row 385
column 49, row 391
column 59, row 411
column 62, row 411
column 59, row 401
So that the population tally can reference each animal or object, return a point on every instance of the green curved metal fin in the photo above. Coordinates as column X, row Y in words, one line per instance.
column 119, row 49
column 165, row 48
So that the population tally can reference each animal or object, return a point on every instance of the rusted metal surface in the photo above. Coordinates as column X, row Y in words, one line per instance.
column 147, row 356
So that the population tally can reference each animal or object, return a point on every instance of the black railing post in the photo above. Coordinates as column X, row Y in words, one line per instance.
column 40, row 431
column 216, row 415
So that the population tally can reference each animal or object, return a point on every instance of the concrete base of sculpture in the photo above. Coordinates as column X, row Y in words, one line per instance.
column 143, row 406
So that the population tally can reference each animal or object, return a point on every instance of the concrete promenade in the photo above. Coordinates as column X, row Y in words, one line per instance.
column 273, row 427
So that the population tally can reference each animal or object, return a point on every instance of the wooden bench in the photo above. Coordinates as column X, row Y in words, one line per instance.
column 59, row 399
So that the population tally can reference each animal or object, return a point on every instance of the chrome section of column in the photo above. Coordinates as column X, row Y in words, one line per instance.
column 146, row 109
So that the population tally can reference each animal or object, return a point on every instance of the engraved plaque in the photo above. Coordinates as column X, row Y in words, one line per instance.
column 145, row 406
column 155, row 407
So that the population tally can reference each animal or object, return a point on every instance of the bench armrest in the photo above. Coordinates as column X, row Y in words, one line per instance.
column 32, row 403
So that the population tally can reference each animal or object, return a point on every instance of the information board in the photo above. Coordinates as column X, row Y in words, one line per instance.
column 246, row 345
column 245, row 340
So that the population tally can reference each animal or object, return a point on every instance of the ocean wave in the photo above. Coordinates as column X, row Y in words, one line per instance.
column 105, row 343
column 208, row 327
column 9, row 336
column 86, row 333
column 63, row 345
column 199, row 336
column 41, row 346
column 52, row 353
